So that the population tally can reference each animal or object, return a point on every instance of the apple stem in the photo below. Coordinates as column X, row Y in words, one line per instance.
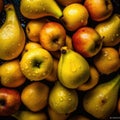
column 63, row 51
column 2, row 102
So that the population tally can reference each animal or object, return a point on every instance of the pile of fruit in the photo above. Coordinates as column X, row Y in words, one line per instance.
column 59, row 59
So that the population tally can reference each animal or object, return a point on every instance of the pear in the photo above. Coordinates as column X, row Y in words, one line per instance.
column 33, row 9
column 63, row 100
column 101, row 101
column 73, row 69
column 29, row 115
column 110, row 30
column 12, row 36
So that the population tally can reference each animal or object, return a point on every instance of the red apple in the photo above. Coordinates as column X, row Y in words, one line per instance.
column 99, row 10
column 9, row 101
column 87, row 41
column 52, row 36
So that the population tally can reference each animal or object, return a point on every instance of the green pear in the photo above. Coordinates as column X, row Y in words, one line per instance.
column 40, row 8
column 73, row 69
column 110, row 30
column 29, row 115
column 12, row 36
column 101, row 101
column 63, row 100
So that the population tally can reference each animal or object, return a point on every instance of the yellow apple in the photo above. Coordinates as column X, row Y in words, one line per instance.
column 92, row 81
column 11, row 74
column 33, row 28
column 107, row 60
column 36, row 64
column 35, row 96
column 74, row 16
column 31, row 45
column 52, row 77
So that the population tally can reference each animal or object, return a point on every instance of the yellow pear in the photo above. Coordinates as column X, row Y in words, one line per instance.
column 29, row 115
column 33, row 9
column 12, row 36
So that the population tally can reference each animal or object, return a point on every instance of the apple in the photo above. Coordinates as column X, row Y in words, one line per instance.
column 52, row 36
column 92, row 81
column 10, row 101
column 30, row 45
column 67, row 2
column 1, row 5
column 33, row 28
column 99, row 10
column 74, row 16
column 53, row 76
column 35, row 96
column 107, row 61
column 36, row 64
column 69, row 42
column 87, row 41
column 11, row 74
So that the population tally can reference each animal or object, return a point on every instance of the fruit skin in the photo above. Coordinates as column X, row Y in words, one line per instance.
column 53, row 76
column 109, row 30
column 107, row 60
column 53, row 115
column 30, row 45
column 9, row 101
column 104, row 97
column 12, row 36
column 36, row 64
column 118, row 105
column 63, row 100
column 29, row 115
column 74, row 16
column 92, row 81
column 35, row 95
column 1, row 5
column 95, row 12
column 87, row 41
column 68, row 42
column 52, row 36
column 39, row 8
column 33, row 29
column 11, row 74
column 73, row 69
column 68, row 2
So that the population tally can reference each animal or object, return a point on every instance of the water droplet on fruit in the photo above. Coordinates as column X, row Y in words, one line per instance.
column 44, row 73
column 69, row 99
column 43, row 9
column 109, row 58
column 61, row 99
column 105, row 53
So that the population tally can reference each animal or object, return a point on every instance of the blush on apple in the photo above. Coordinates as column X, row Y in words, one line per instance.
column 99, row 10
column 87, row 41
column 10, row 101
column 52, row 36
